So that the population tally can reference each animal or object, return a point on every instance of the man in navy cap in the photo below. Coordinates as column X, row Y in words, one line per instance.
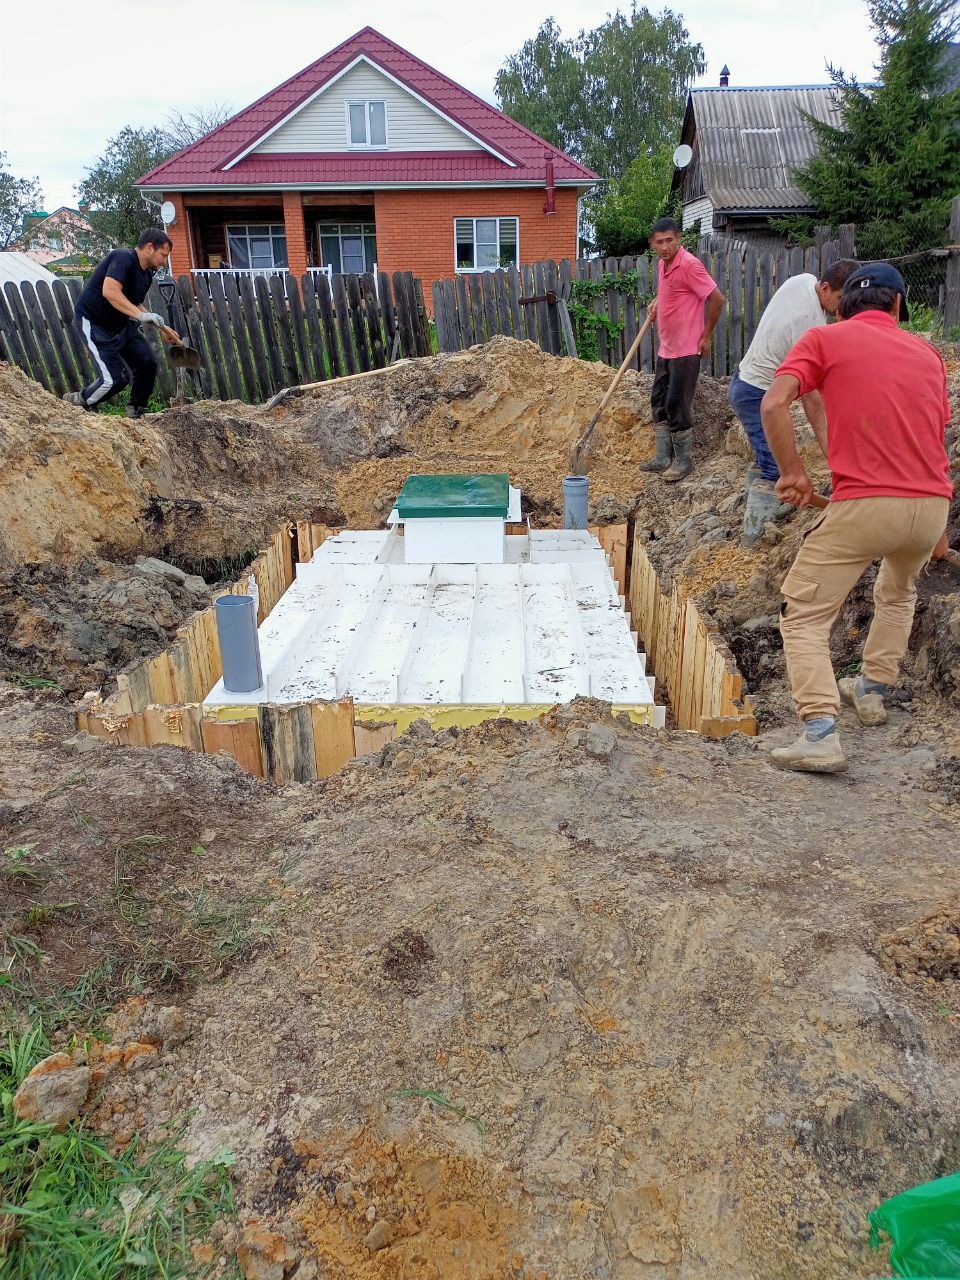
column 885, row 396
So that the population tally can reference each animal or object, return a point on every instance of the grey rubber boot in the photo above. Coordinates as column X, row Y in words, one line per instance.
column 753, row 475
column 682, row 457
column 763, row 504
column 664, row 454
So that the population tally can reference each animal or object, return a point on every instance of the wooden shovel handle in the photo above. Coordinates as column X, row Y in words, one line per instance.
column 627, row 361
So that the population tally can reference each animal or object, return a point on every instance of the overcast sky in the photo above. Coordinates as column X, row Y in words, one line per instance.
column 73, row 74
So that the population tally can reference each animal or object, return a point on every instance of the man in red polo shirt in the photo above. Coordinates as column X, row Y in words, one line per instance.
column 885, row 395
column 685, row 327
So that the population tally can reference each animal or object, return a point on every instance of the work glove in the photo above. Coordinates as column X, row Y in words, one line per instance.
column 151, row 317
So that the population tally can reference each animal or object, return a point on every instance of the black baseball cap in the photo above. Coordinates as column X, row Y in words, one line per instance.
column 879, row 275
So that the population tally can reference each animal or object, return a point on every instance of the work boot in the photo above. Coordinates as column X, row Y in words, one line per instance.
column 75, row 398
column 868, row 703
column 763, row 504
column 136, row 411
column 664, row 454
column 682, row 457
column 811, row 755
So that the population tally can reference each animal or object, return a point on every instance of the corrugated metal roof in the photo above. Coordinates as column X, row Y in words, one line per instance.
column 750, row 141
column 203, row 163
column 20, row 266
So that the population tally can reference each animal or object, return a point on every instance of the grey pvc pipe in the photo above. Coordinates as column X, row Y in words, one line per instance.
column 239, row 646
column 575, row 502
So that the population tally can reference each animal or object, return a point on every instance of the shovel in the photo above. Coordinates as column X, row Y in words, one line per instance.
column 576, row 455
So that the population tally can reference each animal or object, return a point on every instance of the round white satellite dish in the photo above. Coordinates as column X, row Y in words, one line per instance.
column 682, row 156
column 168, row 212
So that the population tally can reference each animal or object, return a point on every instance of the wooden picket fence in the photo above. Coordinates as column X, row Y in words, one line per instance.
column 538, row 302
column 256, row 334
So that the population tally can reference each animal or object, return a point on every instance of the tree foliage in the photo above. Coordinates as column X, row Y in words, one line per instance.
column 18, row 196
column 608, row 94
column 894, row 163
column 622, row 216
column 118, row 211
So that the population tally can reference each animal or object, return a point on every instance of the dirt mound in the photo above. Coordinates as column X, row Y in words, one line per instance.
column 652, row 1028
column 72, row 483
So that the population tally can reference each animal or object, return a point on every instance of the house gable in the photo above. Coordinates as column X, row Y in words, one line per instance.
column 320, row 125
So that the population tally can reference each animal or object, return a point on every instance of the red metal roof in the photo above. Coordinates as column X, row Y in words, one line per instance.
column 202, row 164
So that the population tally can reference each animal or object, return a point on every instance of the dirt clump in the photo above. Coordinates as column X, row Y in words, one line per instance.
column 72, row 483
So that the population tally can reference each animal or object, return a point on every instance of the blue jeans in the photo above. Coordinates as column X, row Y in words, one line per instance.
column 745, row 400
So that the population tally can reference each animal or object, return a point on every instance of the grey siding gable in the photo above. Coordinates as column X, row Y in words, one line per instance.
column 322, row 124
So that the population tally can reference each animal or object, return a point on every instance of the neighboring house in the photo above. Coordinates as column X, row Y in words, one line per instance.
column 51, row 237
column 369, row 156
column 746, row 145
column 18, row 267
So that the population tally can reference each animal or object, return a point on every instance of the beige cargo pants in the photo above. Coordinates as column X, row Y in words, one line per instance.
column 901, row 533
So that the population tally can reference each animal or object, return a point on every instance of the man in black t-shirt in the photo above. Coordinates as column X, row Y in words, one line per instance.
column 109, row 313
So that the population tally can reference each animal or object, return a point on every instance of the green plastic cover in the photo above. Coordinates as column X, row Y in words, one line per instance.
column 446, row 496
column 924, row 1225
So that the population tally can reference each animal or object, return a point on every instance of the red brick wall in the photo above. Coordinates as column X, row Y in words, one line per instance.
column 415, row 228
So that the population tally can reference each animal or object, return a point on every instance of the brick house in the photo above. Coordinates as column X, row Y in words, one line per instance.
column 369, row 156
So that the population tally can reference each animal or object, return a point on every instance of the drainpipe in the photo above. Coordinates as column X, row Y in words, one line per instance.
column 550, row 204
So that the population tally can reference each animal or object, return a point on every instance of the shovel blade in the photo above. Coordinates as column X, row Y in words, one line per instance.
column 184, row 357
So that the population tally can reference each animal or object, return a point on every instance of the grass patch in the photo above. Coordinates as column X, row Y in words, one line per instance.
column 69, row 1210
column 25, row 681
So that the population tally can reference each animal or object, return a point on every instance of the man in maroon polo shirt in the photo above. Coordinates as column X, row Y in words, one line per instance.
column 885, row 395
column 687, row 307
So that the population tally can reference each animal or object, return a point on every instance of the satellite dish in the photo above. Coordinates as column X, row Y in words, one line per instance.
column 682, row 156
column 168, row 211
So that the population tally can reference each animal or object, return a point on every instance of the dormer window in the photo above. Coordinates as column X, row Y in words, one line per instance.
column 367, row 123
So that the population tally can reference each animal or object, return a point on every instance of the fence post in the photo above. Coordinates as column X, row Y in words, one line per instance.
column 847, row 240
column 951, row 292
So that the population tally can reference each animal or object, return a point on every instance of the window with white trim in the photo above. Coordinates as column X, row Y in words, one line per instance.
column 257, row 246
column 484, row 244
column 348, row 247
column 367, row 123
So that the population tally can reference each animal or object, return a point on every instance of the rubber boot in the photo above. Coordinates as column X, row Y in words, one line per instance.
column 664, row 454
column 682, row 457
column 753, row 475
column 763, row 504
column 137, row 411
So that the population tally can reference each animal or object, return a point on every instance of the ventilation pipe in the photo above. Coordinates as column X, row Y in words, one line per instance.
column 550, row 204
column 239, row 644
column 724, row 77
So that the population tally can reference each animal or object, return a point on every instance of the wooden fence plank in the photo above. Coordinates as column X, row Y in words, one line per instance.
column 358, row 323
column 477, row 317
column 378, row 350
column 302, row 346
column 237, row 738
column 246, row 345
column 232, row 375
column 58, row 336
column 765, row 282
column 551, row 279
column 333, row 735
column 286, row 734
column 166, row 383
column 341, row 308
column 241, row 295
column 403, row 300
column 491, row 317
column 513, row 298
column 751, row 293
column 615, row 348
column 543, row 311
column 32, row 363
column 529, row 313
column 387, row 310
column 422, row 327
column 501, row 293
column 211, row 348
column 734, row 293
column 54, row 380
column 328, row 321
column 284, row 328
column 951, row 292
column 81, row 354
column 723, row 263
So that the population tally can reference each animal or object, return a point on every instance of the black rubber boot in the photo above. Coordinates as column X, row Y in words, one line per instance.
column 136, row 411
column 682, row 457
column 664, row 454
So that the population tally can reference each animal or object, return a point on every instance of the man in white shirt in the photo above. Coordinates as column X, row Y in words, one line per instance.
column 801, row 303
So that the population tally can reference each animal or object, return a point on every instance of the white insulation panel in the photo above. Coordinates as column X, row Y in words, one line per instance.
column 543, row 627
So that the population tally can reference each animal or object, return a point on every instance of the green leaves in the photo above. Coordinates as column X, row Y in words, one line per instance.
column 894, row 165
column 606, row 94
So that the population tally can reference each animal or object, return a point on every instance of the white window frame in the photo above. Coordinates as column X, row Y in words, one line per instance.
column 235, row 226
column 484, row 217
column 326, row 228
column 368, row 145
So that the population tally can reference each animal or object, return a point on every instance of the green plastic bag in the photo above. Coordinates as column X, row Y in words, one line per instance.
column 924, row 1225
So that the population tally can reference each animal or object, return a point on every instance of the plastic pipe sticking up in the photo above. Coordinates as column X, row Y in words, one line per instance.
column 575, row 502
column 239, row 646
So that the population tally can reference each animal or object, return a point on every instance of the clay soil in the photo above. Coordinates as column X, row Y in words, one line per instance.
column 570, row 1000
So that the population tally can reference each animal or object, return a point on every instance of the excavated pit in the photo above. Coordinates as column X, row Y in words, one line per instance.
column 567, row 999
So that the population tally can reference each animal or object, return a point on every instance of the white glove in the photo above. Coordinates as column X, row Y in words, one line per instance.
column 151, row 317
